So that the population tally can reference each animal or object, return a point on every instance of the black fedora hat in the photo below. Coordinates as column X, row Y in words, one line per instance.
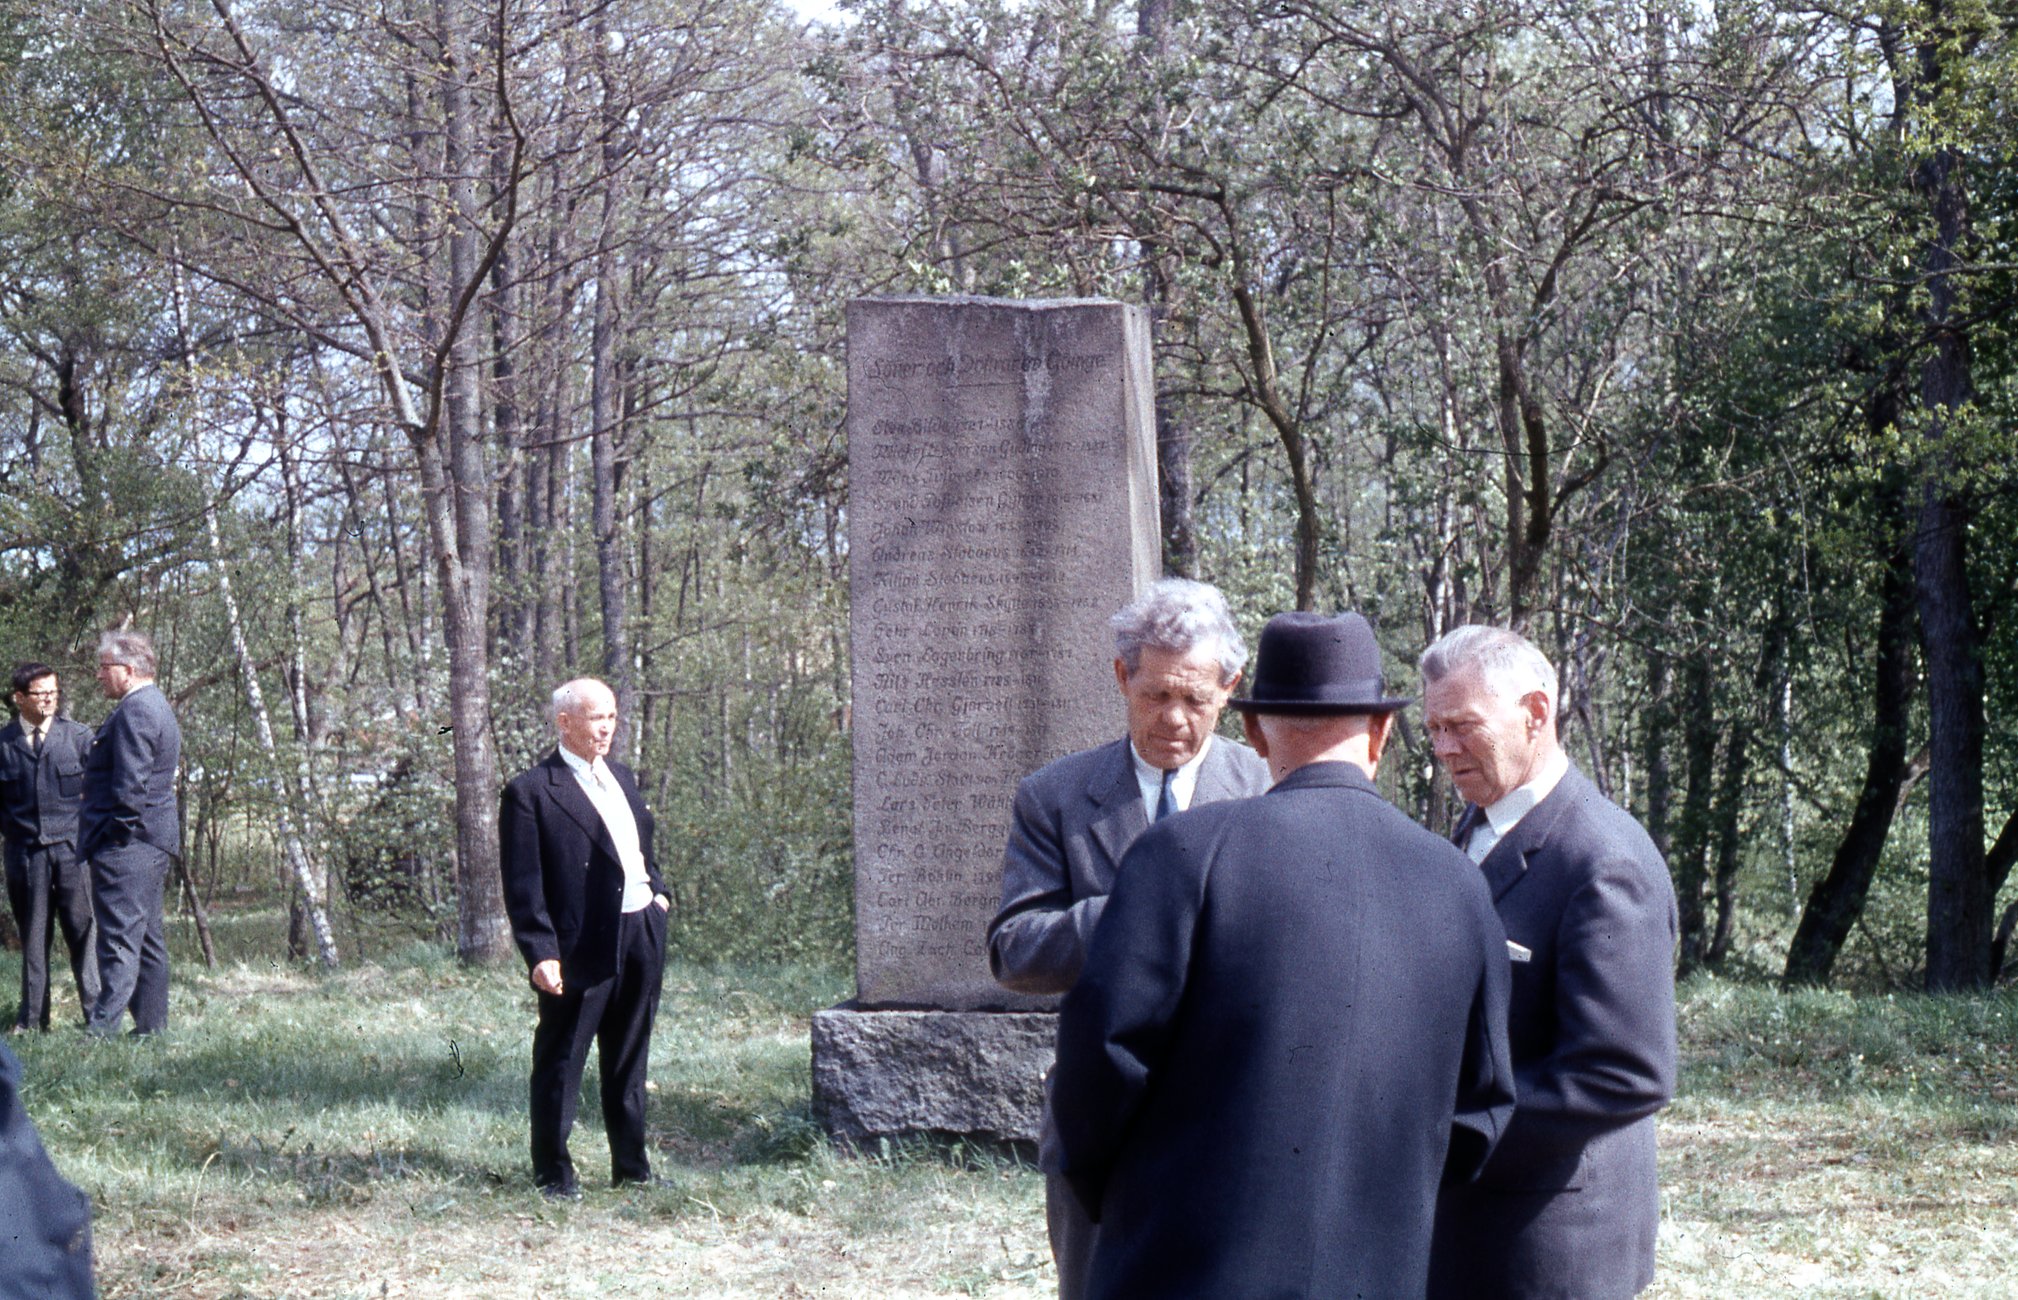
column 1311, row 664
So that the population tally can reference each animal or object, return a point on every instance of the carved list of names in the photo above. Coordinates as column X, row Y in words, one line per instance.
column 1002, row 504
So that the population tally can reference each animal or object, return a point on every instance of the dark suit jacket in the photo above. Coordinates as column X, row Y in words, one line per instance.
column 129, row 777
column 1073, row 820
column 1290, row 1028
column 45, row 1250
column 1569, row 1204
column 563, row 883
column 40, row 793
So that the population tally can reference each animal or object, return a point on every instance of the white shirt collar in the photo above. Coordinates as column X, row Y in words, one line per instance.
column 583, row 767
column 1515, row 804
column 1183, row 782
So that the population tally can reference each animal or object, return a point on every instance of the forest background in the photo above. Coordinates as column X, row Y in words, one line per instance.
column 390, row 362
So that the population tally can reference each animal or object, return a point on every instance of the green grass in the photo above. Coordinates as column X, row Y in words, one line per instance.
column 363, row 1134
column 1840, row 1146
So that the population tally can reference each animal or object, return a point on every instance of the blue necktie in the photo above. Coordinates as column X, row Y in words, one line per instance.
column 1166, row 803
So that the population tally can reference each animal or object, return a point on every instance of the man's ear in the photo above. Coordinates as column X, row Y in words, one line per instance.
column 1536, row 705
column 1121, row 674
column 1257, row 740
column 1378, row 728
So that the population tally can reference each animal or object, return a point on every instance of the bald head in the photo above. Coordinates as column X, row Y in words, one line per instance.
column 585, row 714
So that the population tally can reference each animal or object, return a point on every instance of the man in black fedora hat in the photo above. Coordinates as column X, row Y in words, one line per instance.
column 1291, row 1024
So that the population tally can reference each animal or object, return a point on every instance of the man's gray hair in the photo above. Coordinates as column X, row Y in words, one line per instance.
column 1507, row 662
column 129, row 648
column 568, row 697
column 1179, row 616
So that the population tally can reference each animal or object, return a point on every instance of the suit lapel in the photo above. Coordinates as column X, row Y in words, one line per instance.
column 1119, row 818
column 574, row 800
column 1215, row 775
column 1503, row 867
column 1506, row 865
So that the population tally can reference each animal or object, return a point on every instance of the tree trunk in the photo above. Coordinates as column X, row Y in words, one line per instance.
column 1730, row 820
column 1173, row 439
column 605, row 430
column 459, row 499
column 1660, row 726
column 502, row 311
column 300, row 863
column 1959, row 904
column 1837, row 899
column 294, row 803
column 1692, row 840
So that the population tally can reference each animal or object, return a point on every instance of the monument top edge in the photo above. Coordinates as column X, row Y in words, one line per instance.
column 983, row 300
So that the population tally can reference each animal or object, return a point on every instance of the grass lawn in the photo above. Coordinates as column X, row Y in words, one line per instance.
column 363, row 1134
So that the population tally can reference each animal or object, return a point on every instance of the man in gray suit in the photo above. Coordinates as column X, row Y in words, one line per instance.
column 1177, row 658
column 1569, row 1204
column 49, row 886
column 131, row 831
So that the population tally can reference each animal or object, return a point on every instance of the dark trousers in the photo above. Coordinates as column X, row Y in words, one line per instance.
column 617, row 1013
column 50, row 887
column 1072, row 1233
column 126, row 889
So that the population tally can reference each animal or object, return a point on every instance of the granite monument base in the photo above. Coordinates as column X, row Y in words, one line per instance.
column 970, row 1074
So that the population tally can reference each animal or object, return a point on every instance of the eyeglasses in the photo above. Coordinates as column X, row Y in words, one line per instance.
column 41, row 695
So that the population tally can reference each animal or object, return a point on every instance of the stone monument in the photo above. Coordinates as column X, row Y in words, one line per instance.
column 1002, row 503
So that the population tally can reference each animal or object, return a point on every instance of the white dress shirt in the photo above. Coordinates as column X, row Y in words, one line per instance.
column 1183, row 783
column 600, row 785
column 1503, row 813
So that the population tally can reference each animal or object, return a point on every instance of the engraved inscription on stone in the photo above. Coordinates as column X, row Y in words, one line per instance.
column 1002, row 504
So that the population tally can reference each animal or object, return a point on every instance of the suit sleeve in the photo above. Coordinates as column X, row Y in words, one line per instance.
column 1485, row 1082
column 1114, row 1029
column 1614, row 1059
column 1037, row 942
column 524, row 882
column 133, row 746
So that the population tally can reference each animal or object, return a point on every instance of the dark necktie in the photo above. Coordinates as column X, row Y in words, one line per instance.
column 35, row 743
column 1166, row 803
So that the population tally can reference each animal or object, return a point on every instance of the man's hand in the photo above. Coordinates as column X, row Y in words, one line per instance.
column 547, row 977
column 665, row 904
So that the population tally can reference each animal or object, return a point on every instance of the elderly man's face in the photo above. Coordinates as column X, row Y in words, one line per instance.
column 587, row 727
column 114, row 678
column 1491, row 744
column 1173, row 703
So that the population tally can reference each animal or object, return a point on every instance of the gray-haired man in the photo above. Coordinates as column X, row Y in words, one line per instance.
column 1569, row 1204
column 1177, row 658
column 131, row 831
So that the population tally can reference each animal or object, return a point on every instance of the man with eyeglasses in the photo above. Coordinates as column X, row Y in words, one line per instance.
column 131, row 831
column 48, row 884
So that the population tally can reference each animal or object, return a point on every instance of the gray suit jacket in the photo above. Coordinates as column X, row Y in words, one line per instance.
column 1569, row 1204
column 1073, row 820
column 129, row 777
column 40, row 791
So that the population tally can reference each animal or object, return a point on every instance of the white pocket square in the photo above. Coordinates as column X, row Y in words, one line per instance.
column 1515, row 952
